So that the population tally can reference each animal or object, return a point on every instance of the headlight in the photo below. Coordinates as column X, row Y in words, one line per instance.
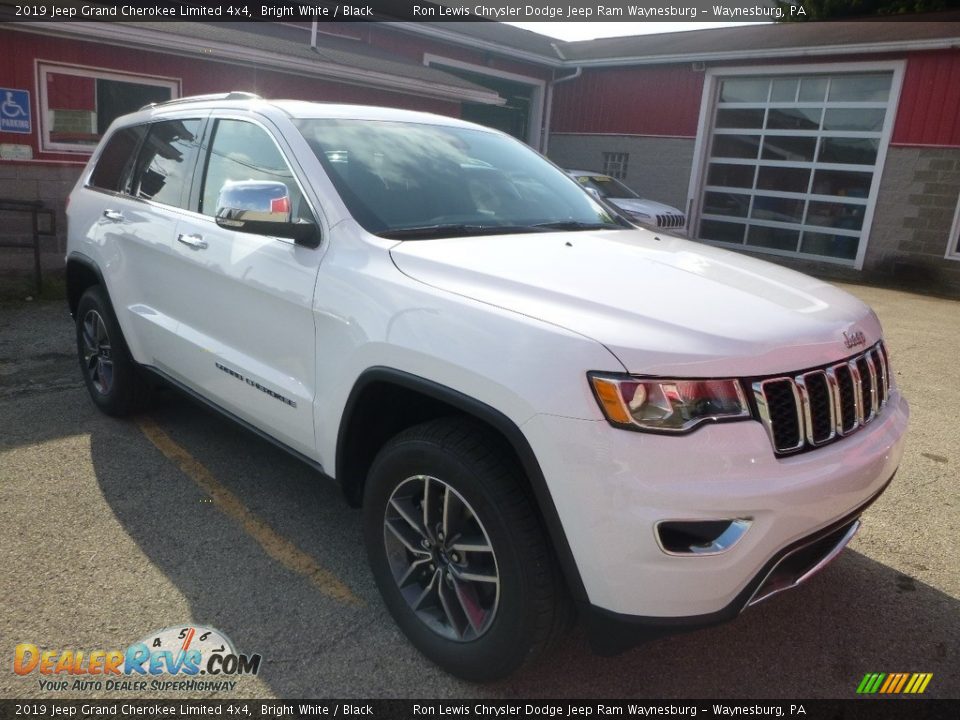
column 671, row 406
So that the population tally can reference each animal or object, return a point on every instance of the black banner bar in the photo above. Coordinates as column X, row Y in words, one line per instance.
column 902, row 708
column 620, row 11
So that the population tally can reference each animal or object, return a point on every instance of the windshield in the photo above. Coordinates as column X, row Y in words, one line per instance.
column 607, row 186
column 412, row 180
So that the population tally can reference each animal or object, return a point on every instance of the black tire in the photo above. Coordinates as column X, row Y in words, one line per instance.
column 123, row 390
column 532, row 607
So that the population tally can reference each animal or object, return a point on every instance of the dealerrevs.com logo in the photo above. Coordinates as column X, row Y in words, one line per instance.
column 182, row 653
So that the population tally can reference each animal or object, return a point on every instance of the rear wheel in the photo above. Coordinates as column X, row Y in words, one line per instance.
column 457, row 550
column 114, row 381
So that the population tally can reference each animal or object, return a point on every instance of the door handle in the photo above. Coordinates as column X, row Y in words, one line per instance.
column 114, row 215
column 195, row 241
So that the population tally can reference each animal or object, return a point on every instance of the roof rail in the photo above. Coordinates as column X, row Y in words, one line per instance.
column 234, row 95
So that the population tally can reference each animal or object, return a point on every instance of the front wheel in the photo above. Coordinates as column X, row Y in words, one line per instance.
column 457, row 550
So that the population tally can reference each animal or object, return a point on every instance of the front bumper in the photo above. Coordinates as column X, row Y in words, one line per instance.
column 611, row 633
column 612, row 487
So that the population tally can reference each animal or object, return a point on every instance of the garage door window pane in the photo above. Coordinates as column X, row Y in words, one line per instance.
column 849, row 151
column 777, row 208
column 784, row 90
column 798, row 149
column 860, row 88
column 773, row 238
column 794, row 118
column 736, row 146
column 740, row 118
column 785, row 179
column 726, row 175
column 836, row 215
column 812, row 89
column 843, row 247
column 722, row 231
column 744, row 90
column 866, row 119
column 842, row 182
column 733, row 204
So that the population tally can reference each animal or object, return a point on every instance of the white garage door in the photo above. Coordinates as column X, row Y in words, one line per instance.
column 792, row 160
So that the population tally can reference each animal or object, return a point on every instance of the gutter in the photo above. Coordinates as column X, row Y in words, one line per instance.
column 773, row 53
column 548, row 110
column 141, row 39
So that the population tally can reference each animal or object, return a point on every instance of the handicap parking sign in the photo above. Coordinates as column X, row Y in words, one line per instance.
column 15, row 111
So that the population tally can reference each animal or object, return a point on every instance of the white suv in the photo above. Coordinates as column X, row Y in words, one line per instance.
column 540, row 408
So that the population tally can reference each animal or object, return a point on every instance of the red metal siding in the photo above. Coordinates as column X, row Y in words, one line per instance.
column 196, row 76
column 630, row 101
column 929, row 112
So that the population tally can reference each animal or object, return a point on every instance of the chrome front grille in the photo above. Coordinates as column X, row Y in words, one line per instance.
column 819, row 406
column 671, row 220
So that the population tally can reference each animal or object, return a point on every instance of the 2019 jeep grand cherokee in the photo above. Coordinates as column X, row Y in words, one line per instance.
column 539, row 408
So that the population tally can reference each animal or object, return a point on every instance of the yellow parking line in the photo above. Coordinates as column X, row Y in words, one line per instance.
column 275, row 545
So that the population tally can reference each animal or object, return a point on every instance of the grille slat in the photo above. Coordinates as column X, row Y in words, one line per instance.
column 817, row 407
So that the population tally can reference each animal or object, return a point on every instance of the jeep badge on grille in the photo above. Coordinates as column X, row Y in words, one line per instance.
column 854, row 338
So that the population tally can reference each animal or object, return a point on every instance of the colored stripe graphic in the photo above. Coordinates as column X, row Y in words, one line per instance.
column 894, row 683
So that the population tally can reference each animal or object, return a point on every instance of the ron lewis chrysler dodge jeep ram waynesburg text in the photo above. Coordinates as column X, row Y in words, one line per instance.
column 542, row 409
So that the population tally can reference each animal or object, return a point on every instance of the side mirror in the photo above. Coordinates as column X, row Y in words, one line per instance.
column 263, row 207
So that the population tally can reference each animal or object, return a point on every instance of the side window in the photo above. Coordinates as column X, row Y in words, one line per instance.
column 165, row 163
column 244, row 151
column 114, row 163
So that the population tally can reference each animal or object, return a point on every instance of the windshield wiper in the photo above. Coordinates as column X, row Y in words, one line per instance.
column 456, row 230
column 576, row 225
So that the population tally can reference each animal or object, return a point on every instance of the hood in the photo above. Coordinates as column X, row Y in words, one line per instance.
column 662, row 306
column 650, row 207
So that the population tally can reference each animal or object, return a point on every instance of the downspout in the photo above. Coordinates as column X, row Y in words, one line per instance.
column 548, row 111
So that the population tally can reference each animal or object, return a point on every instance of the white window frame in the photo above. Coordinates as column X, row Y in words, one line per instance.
column 953, row 241
column 43, row 67
column 711, row 87
column 536, row 97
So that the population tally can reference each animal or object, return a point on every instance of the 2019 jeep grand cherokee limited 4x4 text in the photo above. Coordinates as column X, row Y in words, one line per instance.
column 540, row 408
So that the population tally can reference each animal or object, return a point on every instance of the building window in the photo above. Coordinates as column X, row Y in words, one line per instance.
column 615, row 165
column 792, row 161
column 78, row 104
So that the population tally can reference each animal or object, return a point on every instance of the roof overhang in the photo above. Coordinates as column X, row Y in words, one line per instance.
column 145, row 39
column 773, row 53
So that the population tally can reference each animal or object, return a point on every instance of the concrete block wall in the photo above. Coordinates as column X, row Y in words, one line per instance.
column 918, row 198
column 49, row 183
column 658, row 169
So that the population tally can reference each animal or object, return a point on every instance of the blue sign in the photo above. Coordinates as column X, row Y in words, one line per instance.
column 15, row 111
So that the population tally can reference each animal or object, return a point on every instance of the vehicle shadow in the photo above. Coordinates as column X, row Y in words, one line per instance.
column 857, row 616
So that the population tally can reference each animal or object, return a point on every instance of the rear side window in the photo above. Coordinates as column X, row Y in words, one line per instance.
column 244, row 151
column 165, row 163
column 114, row 163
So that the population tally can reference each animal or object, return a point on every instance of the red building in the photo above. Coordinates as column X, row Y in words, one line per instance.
column 833, row 148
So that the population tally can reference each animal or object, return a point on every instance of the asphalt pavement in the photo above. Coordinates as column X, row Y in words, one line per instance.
column 112, row 529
